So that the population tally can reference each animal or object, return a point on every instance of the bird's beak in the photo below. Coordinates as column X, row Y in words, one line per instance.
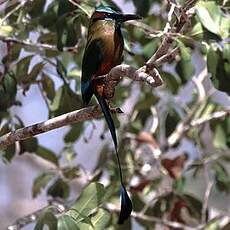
column 128, row 17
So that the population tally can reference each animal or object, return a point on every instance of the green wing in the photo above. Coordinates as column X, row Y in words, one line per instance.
column 92, row 59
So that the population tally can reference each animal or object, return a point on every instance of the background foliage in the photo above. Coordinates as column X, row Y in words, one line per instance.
column 173, row 175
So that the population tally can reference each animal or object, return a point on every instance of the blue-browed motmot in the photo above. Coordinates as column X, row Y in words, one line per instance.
column 103, row 51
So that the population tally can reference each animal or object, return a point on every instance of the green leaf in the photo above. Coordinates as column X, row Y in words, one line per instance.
column 74, row 133
column 13, row 54
column 48, row 86
column 33, row 73
column 219, row 65
column 8, row 91
column 30, row 145
column 149, row 49
column 65, row 101
column 172, row 81
column 22, row 67
column 142, row 7
column 67, row 223
column 171, row 122
column 65, row 7
column 9, row 153
column 212, row 60
column 36, row 8
column 221, row 132
column 219, row 139
column 184, row 67
column 99, row 221
column 206, row 18
column 40, row 182
column 90, row 199
column 71, row 172
column 46, row 218
column 47, row 155
column 59, row 189
column 68, row 31
column 212, row 18
column 221, row 177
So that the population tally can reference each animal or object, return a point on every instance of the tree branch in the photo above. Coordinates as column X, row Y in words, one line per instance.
column 175, row 28
column 151, row 219
column 80, row 115
column 38, row 45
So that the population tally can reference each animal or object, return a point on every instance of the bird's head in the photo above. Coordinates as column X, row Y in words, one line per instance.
column 108, row 13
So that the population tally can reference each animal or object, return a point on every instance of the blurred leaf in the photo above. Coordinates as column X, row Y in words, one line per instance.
column 212, row 61
column 36, row 8
column 68, row 28
column 171, row 122
column 22, row 67
column 149, row 49
column 221, row 132
column 206, row 18
column 146, row 100
column 46, row 218
column 65, row 101
column 33, row 73
column 171, row 81
column 59, row 189
column 71, row 172
column 5, row 30
column 219, row 139
column 142, row 7
column 48, row 86
column 9, row 153
column 218, row 64
column 184, row 67
column 212, row 18
column 47, row 155
column 67, row 223
column 99, row 221
column 61, row 70
column 13, row 53
column 40, row 182
column 90, row 199
column 221, row 177
column 64, row 7
column 8, row 91
column 197, row 31
column 74, row 133
column 29, row 145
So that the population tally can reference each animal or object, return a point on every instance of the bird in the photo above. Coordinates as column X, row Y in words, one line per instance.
column 103, row 51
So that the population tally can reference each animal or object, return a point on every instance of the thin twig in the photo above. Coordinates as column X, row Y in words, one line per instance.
column 38, row 45
column 177, row 26
column 151, row 219
column 56, row 208
column 20, row 5
column 206, row 200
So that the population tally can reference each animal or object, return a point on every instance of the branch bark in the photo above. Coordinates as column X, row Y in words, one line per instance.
column 81, row 115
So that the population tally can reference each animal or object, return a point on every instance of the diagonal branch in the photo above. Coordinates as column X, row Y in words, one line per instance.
column 53, row 123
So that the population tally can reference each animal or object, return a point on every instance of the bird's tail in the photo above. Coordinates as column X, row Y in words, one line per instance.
column 126, row 204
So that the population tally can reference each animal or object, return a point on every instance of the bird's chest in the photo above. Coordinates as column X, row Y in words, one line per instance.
column 112, row 52
column 111, row 46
